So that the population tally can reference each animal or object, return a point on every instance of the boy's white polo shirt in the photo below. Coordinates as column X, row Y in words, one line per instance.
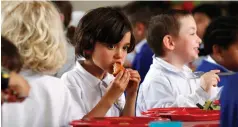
column 88, row 90
column 167, row 86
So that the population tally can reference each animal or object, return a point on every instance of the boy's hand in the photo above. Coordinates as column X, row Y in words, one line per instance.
column 134, row 82
column 119, row 84
column 209, row 80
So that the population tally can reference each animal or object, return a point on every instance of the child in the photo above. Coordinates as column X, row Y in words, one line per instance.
column 104, row 37
column 65, row 9
column 36, row 30
column 203, row 15
column 13, row 86
column 221, row 43
column 169, row 83
column 139, row 14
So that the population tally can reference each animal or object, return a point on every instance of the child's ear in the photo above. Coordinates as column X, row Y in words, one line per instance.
column 217, row 52
column 62, row 17
column 168, row 42
column 139, row 29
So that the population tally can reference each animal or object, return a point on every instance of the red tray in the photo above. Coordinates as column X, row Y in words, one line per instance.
column 207, row 125
column 155, row 112
column 83, row 123
column 116, row 121
column 131, row 120
column 172, row 109
column 192, row 115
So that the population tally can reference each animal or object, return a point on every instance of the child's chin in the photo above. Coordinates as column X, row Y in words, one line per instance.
column 111, row 72
column 193, row 58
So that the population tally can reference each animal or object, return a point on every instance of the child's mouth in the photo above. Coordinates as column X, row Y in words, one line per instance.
column 197, row 50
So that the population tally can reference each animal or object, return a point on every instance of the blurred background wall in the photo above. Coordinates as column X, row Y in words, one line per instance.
column 87, row 5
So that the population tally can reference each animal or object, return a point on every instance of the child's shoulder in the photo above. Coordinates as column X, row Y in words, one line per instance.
column 73, row 74
column 156, row 75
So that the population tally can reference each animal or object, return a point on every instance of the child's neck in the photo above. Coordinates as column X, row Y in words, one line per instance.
column 216, row 59
column 93, row 69
column 174, row 61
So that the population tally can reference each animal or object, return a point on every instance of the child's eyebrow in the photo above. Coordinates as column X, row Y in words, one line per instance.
column 193, row 28
column 128, row 43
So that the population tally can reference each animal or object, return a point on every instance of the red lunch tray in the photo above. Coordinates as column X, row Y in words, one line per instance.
column 155, row 112
column 116, row 121
column 207, row 125
column 184, row 114
column 83, row 123
column 192, row 115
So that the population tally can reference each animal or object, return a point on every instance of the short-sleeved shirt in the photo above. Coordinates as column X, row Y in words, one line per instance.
column 167, row 86
column 87, row 90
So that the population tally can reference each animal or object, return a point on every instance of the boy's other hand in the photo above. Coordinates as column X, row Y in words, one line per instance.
column 209, row 80
column 134, row 82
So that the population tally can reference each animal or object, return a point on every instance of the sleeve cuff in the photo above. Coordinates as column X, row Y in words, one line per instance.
column 202, row 95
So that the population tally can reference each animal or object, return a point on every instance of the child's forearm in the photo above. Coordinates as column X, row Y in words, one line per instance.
column 102, row 107
column 129, row 109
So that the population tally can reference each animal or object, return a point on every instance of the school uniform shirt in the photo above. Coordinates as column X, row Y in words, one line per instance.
column 167, row 86
column 49, row 104
column 229, row 103
column 131, row 56
column 143, row 59
column 87, row 90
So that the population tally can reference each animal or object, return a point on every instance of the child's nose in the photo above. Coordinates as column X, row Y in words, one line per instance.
column 118, row 54
column 199, row 40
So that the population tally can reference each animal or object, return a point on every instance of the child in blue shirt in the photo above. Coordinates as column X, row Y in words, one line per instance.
column 221, row 45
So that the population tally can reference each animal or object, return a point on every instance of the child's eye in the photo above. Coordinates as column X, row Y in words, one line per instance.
column 125, row 48
column 110, row 46
column 192, row 34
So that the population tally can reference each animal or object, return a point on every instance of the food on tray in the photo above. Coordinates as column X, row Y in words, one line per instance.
column 210, row 105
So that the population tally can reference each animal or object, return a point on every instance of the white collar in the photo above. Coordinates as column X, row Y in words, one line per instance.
column 29, row 73
column 169, row 66
column 211, row 60
column 94, row 80
column 139, row 45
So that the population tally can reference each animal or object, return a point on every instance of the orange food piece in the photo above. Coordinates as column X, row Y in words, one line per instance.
column 117, row 67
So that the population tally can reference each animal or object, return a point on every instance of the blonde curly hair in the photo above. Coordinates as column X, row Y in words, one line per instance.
column 36, row 29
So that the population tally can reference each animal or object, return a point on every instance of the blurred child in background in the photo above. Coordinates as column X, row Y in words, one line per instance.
column 65, row 9
column 13, row 86
column 221, row 45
